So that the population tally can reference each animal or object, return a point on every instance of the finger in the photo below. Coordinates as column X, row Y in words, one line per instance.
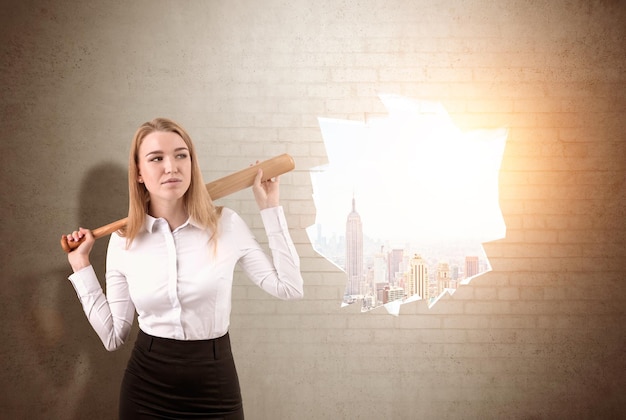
column 77, row 235
column 259, row 177
column 85, row 233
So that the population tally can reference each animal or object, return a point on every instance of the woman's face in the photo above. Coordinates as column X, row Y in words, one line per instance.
column 164, row 164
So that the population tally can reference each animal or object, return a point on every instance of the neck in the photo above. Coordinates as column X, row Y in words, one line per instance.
column 174, row 213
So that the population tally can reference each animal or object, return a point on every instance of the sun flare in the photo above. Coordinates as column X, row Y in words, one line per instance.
column 417, row 183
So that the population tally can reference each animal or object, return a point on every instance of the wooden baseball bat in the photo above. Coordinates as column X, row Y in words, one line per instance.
column 219, row 188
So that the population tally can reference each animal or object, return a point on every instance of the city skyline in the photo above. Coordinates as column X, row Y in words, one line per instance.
column 421, row 184
column 379, row 277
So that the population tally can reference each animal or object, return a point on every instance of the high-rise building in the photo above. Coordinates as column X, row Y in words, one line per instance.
column 380, row 267
column 354, row 252
column 454, row 272
column 444, row 280
column 417, row 281
column 394, row 261
column 391, row 293
column 396, row 293
column 471, row 266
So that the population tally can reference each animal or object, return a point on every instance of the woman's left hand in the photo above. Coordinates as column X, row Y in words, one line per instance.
column 266, row 193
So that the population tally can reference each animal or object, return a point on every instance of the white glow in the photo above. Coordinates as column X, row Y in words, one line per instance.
column 414, row 175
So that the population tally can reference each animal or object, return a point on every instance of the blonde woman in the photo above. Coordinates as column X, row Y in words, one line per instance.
column 173, row 265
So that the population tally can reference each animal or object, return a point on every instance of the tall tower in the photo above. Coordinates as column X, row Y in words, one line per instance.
column 354, row 251
column 380, row 268
column 417, row 282
column 444, row 280
column 471, row 266
column 395, row 263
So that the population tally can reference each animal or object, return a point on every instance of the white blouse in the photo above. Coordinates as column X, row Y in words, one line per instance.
column 179, row 283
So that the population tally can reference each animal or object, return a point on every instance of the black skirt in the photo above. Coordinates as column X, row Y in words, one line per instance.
column 174, row 379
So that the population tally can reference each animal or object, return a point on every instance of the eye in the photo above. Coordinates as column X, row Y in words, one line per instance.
column 156, row 159
column 182, row 156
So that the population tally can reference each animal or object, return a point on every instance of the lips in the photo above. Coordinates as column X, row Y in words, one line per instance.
column 172, row 181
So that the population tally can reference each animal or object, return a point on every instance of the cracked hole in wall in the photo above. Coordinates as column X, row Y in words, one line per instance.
column 406, row 202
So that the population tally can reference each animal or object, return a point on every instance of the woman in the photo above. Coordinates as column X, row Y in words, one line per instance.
column 173, row 264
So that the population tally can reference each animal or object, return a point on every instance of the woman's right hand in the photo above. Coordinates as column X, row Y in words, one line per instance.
column 79, row 257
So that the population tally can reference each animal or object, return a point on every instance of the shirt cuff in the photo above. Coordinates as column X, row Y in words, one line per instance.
column 274, row 220
column 85, row 281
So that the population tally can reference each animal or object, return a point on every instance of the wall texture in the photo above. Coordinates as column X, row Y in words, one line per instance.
column 542, row 336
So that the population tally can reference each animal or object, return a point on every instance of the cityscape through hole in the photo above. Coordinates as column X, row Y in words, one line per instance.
column 406, row 202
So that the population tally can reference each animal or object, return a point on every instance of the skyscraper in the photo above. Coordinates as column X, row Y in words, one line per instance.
column 395, row 263
column 471, row 266
column 417, row 282
column 354, row 251
column 444, row 280
column 380, row 267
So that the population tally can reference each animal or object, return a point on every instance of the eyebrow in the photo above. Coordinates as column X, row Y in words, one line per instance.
column 157, row 152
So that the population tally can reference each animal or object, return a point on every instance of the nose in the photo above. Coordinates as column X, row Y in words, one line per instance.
column 170, row 165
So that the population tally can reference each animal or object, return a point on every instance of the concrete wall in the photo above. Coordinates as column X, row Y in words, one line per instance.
column 540, row 337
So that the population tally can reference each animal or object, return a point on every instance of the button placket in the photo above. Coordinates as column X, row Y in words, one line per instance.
column 172, row 283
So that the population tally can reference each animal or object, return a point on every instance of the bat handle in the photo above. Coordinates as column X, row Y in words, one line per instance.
column 67, row 246
column 97, row 233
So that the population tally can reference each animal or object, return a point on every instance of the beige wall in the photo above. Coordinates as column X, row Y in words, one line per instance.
column 542, row 336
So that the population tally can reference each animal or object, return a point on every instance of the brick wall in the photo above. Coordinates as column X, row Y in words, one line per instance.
column 541, row 336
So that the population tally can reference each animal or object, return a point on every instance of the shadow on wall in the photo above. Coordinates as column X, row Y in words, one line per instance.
column 69, row 371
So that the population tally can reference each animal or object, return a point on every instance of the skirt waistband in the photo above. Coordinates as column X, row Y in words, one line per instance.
column 215, row 348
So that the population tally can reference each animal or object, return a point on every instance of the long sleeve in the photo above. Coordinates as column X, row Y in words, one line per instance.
column 179, row 284
column 281, row 275
column 110, row 315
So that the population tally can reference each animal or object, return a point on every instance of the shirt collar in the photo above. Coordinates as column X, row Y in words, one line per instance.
column 150, row 223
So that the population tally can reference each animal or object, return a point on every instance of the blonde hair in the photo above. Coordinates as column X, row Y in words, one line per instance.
column 196, row 199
